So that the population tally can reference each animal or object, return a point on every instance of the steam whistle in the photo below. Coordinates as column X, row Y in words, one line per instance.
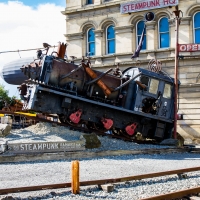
column 100, row 83
column 61, row 50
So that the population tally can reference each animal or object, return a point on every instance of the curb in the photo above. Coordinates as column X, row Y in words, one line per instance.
column 28, row 157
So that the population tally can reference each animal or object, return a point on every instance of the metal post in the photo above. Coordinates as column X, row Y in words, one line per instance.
column 75, row 177
column 177, row 19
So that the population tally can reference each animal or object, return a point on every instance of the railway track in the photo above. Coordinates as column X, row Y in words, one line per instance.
column 169, row 196
column 192, row 193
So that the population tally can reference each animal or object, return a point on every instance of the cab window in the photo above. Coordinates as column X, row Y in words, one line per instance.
column 144, row 80
column 153, row 87
column 167, row 91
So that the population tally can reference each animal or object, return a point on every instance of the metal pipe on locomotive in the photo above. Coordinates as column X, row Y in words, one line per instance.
column 134, row 101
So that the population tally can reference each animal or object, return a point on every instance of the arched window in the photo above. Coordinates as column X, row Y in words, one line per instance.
column 140, row 28
column 91, row 42
column 163, row 33
column 197, row 28
column 90, row 1
column 110, row 39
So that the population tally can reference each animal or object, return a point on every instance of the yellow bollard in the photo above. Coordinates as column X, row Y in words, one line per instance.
column 75, row 177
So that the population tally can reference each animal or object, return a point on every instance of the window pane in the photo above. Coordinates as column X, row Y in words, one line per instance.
column 111, row 46
column 140, row 27
column 144, row 42
column 92, row 48
column 89, row 1
column 110, row 32
column 153, row 88
column 197, row 20
column 167, row 91
column 197, row 36
column 164, row 25
column 91, row 35
column 164, row 40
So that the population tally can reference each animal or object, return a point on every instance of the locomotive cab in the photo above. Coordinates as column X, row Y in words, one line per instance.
column 150, row 93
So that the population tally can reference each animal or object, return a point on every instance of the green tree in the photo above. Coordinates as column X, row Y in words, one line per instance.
column 5, row 98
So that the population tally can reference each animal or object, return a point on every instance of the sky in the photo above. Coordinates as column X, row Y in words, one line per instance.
column 27, row 24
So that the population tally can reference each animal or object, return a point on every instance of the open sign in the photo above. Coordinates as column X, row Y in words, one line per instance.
column 189, row 47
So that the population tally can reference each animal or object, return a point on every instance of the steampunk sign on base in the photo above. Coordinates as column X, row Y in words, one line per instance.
column 136, row 6
column 46, row 146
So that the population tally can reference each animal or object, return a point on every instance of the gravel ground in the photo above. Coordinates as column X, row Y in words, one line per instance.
column 45, row 132
column 51, row 172
column 40, row 173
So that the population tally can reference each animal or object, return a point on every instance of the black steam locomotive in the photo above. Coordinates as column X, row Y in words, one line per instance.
column 129, row 102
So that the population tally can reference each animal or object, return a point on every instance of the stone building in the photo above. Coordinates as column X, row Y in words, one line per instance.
column 110, row 30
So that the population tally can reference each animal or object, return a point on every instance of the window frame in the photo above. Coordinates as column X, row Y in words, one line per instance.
column 107, row 53
column 145, row 35
column 87, row 42
column 159, row 33
column 194, row 38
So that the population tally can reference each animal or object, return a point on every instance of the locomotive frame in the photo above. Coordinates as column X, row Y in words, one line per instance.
column 133, row 101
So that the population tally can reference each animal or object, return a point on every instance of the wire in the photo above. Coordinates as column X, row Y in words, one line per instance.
column 25, row 50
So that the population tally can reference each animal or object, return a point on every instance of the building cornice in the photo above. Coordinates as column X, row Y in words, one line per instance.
column 87, row 8
column 124, row 29
column 98, row 33
column 74, row 36
column 150, row 25
column 185, row 20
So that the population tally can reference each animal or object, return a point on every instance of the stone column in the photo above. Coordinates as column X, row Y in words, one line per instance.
column 172, row 33
column 150, row 35
column 151, row 38
column 75, row 45
column 123, row 39
column 98, row 46
column 184, row 31
column 98, row 42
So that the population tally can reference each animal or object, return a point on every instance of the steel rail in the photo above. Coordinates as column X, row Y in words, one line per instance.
column 97, row 182
column 172, row 195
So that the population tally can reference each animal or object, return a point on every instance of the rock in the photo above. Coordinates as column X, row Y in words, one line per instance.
column 170, row 142
column 194, row 198
column 3, row 145
column 8, row 198
column 179, row 142
column 107, row 187
column 196, row 140
column 188, row 141
column 4, row 130
column 91, row 141
column 182, row 176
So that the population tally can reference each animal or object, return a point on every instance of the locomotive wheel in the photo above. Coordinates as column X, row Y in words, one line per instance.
column 116, row 131
column 99, row 127
column 62, row 118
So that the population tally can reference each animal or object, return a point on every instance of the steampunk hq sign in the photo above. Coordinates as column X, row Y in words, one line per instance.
column 136, row 6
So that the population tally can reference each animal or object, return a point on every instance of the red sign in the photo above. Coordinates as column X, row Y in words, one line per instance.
column 189, row 47
column 146, row 5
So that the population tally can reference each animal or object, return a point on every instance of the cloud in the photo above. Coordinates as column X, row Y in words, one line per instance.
column 24, row 27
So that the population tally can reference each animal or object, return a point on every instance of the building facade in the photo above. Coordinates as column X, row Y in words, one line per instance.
column 109, row 31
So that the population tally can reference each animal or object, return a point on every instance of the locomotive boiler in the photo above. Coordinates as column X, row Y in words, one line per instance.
column 133, row 101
